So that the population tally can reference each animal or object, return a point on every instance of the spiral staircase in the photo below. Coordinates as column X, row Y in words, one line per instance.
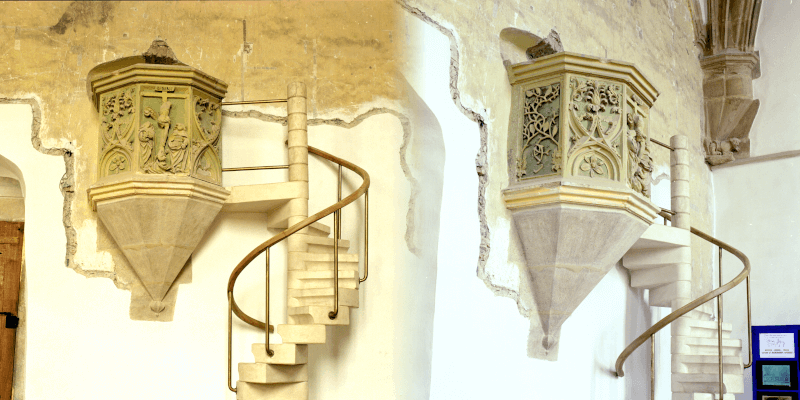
column 706, row 361
column 322, row 276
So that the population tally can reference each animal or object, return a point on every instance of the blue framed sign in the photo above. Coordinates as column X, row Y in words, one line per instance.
column 776, row 362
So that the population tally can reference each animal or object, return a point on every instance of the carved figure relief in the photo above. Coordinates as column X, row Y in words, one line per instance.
column 540, row 153
column 147, row 135
column 178, row 142
column 640, row 163
column 721, row 151
column 164, row 137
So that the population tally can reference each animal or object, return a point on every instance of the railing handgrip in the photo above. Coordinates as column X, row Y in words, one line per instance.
column 691, row 305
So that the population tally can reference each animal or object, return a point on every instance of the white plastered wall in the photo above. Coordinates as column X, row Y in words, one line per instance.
column 756, row 203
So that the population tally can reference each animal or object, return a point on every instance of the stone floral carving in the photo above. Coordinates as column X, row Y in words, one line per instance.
column 118, row 164
column 598, row 103
column 117, row 112
column 540, row 134
column 594, row 165
column 206, row 145
column 640, row 163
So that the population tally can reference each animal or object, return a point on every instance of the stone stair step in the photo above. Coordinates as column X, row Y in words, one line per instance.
column 285, row 354
column 699, row 364
column 662, row 236
column 663, row 296
column 656, row 277
column 705, row 346
column 707, row 383
column 272, row 373
column 302, row 334
column 279, row 219
column 286, row 391
column 698, row 328
column 653, row 258
column 321, row 244
column 300, row 279
column 323, row 297
column 263, row 198
column 308, row 315
column 702, row 396
column 320, row 261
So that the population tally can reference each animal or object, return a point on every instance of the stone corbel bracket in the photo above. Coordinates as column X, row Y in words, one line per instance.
column 729, row 66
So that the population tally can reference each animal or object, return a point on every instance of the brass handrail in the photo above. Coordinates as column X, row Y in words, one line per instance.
column 694, row 303
column 264, row 247
column 244, row 102
column 255, row 168
column 662, row 144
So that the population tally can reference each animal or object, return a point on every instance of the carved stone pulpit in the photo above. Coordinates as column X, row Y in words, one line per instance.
column 579, row 175
column 159, row 170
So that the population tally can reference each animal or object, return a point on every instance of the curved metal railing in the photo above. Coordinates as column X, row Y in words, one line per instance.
column 743, row 276
column 335, row 209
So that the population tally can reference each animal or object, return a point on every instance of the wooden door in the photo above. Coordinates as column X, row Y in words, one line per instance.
column 10, row 265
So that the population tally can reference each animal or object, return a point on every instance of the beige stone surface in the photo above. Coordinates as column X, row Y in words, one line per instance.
column 157, row 221
column 308, row 334
column 262, row 198
column 285, row 354
column 272, row 373
column 254, row 391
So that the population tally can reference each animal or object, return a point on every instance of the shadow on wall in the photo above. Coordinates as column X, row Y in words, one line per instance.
column 416, row 281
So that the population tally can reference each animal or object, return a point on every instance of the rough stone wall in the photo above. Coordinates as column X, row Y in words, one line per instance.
column 344, row 51
column 656, row 35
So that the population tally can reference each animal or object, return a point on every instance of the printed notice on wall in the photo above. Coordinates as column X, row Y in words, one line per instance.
column 776, row 345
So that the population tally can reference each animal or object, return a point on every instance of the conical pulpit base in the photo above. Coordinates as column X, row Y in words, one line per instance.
column 569, row 247
column 157, row 221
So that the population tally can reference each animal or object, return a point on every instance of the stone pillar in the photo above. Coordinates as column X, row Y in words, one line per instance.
column 298, row 148
column 679, row 177
column 679, row 172
column 298, row 169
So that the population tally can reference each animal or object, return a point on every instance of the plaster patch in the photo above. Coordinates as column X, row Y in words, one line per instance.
column 101, row 261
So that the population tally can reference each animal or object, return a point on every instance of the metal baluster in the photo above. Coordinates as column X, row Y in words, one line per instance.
column 337, row 228
column 366, row 237
column 719, row 326
column 270, row 353
column 230, row 340
column 653, row 367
